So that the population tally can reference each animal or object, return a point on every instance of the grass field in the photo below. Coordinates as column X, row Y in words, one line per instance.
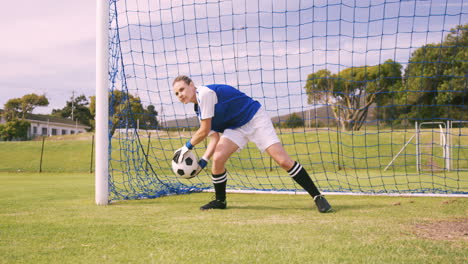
column 341, row 162
column 60, row 154
column 322, row 150
column 52, row 218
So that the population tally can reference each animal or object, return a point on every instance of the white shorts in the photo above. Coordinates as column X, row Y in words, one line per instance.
column 259, row 130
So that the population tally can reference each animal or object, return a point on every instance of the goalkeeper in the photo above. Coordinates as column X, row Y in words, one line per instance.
column 223, row 109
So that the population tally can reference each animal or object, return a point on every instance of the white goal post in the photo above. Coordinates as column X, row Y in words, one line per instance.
column 102, row 140
column 273, row 51
column 446, row 143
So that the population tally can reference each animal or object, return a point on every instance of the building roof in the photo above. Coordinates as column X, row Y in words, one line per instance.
column 49, row 118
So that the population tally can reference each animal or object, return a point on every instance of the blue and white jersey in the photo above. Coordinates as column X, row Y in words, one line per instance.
column 227, row 106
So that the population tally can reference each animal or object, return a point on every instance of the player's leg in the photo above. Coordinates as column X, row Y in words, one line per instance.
column 223, row 151
column 263, row 134
column 299, row 175
column 294, row 169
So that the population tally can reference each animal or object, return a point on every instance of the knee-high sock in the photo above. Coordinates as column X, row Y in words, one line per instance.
column 219, row 182
column 300, row 175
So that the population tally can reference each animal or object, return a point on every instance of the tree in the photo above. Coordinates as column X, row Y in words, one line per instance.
column 14, row 129
column 19, row 107
column 352, row 91
column 123, row 107
column 12, row 109
column 78, row 108
column 294, row 121
column 15, row 111
column 435, row 83
column 149, row 119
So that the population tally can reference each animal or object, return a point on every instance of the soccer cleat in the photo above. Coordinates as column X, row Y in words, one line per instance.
column 322, row 204
column 215, row 204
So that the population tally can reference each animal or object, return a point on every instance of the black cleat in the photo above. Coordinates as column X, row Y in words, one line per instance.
column 215, row 204
column 322, row 204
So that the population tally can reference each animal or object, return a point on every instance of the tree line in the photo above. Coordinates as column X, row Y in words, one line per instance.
column 432, row 86
column 16, row 110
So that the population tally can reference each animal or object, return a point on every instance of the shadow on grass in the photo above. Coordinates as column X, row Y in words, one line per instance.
column 337, row 208
column 265, row 208
column 357, row 207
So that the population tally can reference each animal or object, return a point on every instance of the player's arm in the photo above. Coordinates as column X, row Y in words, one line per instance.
column 214, row 139
column 200, row 135
column 210, row 149
column 202, row 132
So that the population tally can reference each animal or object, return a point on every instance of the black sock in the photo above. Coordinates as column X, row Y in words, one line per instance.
column 300, row 175
column 219, row 182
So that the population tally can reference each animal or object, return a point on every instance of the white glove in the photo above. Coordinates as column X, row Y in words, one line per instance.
column 180, row 153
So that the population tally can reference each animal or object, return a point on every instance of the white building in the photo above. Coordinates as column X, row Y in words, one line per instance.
column 46, row 125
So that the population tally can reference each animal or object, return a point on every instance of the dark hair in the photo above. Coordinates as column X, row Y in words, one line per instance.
column 183, row 78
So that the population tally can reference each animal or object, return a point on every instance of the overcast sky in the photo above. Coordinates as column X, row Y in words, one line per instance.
column 47, row 47
column 267, row 48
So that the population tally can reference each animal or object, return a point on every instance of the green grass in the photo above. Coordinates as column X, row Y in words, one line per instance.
column 325, row 150
column 52, row 218
column 70, row 155
column 347, row 161
column 321, row 150
column 362, row 157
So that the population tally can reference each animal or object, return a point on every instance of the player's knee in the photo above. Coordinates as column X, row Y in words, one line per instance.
column 286, row 164
column 219, row 159
column 218, row 165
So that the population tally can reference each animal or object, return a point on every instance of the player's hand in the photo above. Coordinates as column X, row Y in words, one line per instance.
column 179, row 154
column 201, row 165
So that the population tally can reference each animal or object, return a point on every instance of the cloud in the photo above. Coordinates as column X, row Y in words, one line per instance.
column 47, row 47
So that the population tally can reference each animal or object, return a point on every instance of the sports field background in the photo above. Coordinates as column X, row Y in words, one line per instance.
column 330, row 163
column 51, row 217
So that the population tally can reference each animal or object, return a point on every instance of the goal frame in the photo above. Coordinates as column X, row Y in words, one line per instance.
column 102, row 104
column 102, row 149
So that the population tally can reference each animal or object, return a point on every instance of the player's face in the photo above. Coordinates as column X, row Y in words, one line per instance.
column 185, row 92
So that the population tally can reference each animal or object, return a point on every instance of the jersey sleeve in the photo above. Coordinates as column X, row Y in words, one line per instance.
column 206, row 101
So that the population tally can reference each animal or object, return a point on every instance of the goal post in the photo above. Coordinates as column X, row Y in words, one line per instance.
column 102, row 106
column 346, row 84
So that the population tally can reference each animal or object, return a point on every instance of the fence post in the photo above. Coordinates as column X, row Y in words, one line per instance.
column 416, row 128
column 338, row 144
column 42, row 153
column 92, row 155
column 147, row 151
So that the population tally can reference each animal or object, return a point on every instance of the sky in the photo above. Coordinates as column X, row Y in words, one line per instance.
column 47, row 47
column 267, row 48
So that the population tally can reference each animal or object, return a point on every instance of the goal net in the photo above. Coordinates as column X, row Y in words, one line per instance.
column 346, row 84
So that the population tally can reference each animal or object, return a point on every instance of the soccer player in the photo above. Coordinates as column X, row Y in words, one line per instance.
column 223, row 109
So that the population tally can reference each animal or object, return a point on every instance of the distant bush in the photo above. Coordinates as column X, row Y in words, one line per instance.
column 14, row 130
column 293, row 121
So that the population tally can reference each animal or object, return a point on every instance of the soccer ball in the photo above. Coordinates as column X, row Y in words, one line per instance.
column 187, row 167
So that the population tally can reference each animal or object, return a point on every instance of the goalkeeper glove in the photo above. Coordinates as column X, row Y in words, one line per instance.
column 201, row 165
column 179, row 154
